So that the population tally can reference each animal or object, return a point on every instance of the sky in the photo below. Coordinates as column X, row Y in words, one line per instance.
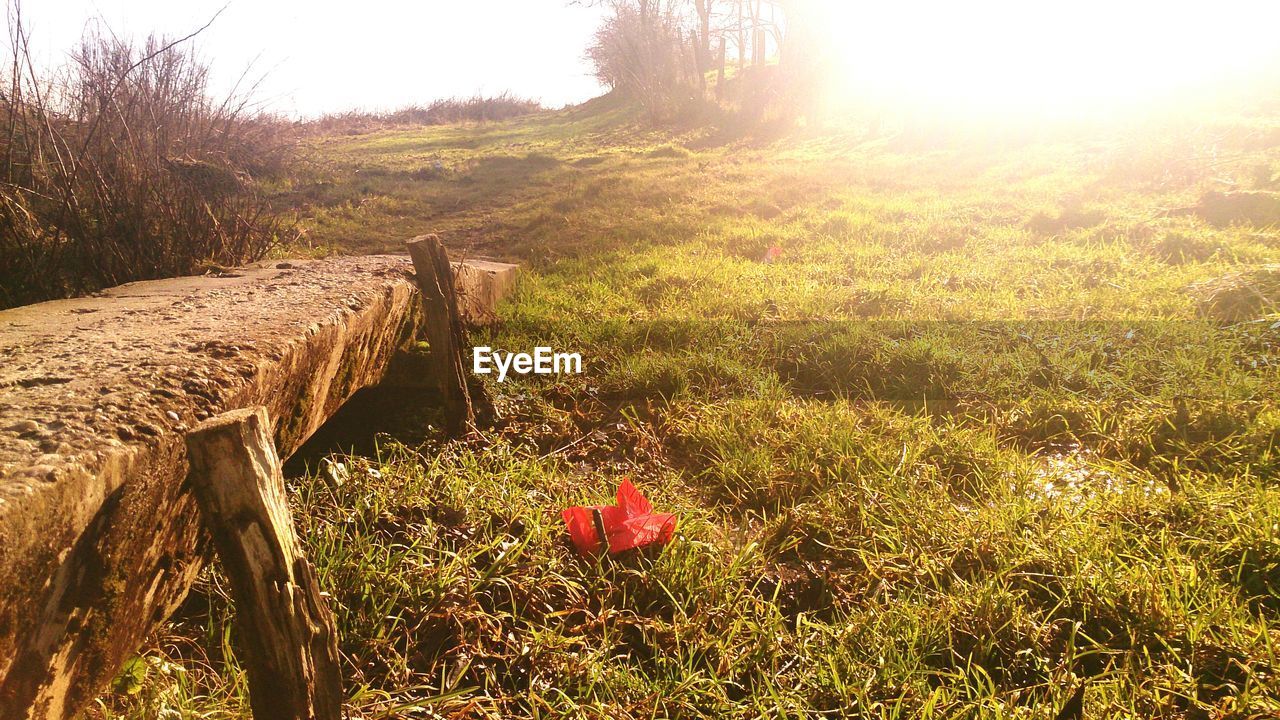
column 323, row 56
column 997, row 53
column 996, row 56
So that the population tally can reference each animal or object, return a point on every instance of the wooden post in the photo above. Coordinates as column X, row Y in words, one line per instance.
column 444, row 329
column 283, row 623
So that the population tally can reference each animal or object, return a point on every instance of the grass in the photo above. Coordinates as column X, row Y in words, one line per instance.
column 996, row 421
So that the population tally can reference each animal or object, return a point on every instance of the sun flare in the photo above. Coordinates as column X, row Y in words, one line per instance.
column 1050, row 57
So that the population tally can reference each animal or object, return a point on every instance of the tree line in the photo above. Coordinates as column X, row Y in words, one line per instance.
column 675, row 54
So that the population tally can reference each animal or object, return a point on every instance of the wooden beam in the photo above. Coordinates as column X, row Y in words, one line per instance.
column 444, row 330
column 283, row 623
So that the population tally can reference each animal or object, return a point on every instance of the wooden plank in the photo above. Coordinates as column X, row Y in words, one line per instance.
column 283, row 623
column 444, row 330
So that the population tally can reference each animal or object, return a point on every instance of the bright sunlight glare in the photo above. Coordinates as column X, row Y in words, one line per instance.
column 1050, row 57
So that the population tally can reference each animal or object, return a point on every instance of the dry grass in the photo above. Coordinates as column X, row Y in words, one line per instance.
column 1242, row 295
column 478, row 108
column 120, row 167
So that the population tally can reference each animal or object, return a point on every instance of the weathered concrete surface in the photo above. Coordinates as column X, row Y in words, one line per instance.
column 99, row 538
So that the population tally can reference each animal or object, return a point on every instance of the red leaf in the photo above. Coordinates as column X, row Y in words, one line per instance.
column 581, row 529
column 628, row 525
column 630, row 501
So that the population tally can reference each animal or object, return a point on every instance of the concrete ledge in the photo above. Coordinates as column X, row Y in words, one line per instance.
column 481, row 285
column 99, row 537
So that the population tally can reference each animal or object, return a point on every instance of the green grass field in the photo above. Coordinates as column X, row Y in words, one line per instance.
column 994, row 425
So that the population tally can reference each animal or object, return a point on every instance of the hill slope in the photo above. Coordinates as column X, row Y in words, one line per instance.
column 952, row 428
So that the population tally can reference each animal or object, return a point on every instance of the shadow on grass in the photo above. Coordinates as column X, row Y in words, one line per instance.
column 410, row 414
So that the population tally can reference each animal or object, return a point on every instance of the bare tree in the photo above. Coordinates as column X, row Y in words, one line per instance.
column 642, row 50
column 642, row 46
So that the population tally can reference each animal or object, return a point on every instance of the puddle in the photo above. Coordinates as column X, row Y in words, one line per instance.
column 1077, row 475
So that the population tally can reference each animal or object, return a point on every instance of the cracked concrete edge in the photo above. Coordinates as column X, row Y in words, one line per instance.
column 99, row 549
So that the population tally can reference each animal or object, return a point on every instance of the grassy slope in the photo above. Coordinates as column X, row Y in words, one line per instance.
column 966, row 443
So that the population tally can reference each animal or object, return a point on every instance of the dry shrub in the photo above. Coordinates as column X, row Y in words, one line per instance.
column 121, row 167
column 477, row 108
column 642, row 52
column 1245, row 295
